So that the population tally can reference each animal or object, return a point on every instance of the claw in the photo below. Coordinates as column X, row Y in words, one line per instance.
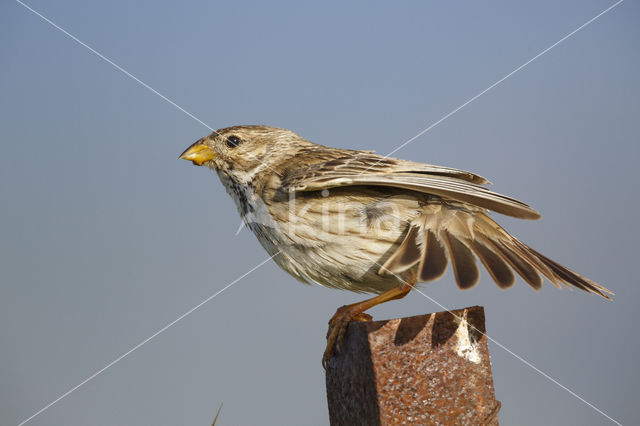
column 337, row 329
column 355, row 312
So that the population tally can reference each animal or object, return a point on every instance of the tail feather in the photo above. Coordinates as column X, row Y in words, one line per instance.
column 497, row 268
column 567, row 276
column 520, row 264
column 407, row 255
column 434, row 260
column 463, row 262
column 527, row 252
column 442, row 233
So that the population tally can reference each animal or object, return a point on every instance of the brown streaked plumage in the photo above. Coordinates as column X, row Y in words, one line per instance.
column 362, row 222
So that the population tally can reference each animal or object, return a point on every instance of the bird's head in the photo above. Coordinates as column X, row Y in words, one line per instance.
column 240, row 152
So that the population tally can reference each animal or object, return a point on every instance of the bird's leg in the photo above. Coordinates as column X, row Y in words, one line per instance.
column 344, row 315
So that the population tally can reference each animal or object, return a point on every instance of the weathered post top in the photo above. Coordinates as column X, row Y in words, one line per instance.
column 429, row 369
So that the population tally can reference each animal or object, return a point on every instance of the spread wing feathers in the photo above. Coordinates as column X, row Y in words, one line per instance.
column 443, row 234
column 444, row 182
column 323, row 161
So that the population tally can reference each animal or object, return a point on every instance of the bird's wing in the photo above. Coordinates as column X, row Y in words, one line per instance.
column 320, row 160
column 442, row 235
column 372, row 170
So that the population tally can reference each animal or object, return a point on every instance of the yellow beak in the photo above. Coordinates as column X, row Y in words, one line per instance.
column 198, row 153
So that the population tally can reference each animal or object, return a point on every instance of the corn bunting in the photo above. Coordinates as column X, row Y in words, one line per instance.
column 358, row 221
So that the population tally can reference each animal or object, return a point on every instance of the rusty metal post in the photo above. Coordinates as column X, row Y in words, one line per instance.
column 429, row 369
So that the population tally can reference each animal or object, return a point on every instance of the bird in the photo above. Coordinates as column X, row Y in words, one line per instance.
column 358, row 221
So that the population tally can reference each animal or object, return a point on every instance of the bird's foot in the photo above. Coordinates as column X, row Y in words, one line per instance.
column 337, row 328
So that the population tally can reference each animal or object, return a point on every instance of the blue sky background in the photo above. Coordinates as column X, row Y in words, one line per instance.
column 105, row 236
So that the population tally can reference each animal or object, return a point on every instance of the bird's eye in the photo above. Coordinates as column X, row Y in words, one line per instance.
column 233, row 141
